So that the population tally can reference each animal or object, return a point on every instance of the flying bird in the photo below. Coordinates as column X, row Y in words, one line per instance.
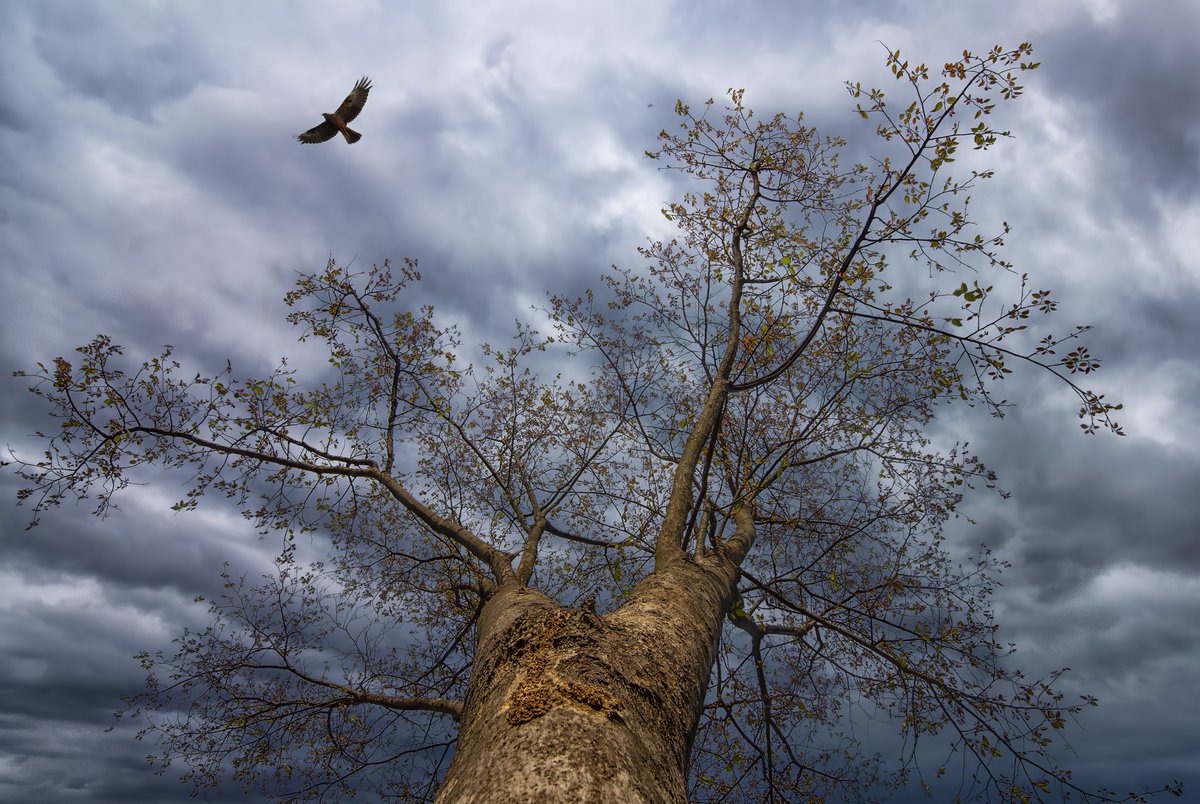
column 337, row 121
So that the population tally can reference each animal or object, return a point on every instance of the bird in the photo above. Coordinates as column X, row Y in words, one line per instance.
column 337, row 121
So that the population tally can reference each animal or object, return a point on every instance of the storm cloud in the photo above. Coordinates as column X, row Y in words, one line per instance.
column 151, row 189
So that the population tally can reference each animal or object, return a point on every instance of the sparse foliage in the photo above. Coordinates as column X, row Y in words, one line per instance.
column 750, row 441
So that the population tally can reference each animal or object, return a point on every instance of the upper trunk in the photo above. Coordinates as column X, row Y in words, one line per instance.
column 565, row 705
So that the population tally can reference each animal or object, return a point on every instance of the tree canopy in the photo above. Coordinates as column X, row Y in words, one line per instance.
column 754, row 399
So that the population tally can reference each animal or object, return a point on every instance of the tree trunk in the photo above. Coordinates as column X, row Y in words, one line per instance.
column 568, row 706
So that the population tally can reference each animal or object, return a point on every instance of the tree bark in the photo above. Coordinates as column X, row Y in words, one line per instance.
column 565, row 705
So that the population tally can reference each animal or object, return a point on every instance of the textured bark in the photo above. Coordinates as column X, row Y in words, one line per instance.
column 565, row 705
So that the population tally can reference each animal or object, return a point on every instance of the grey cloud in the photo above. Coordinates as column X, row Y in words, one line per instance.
column 150, row 189
column 1132, row 83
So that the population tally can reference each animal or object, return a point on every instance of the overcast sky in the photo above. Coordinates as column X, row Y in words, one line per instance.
column 151, row 189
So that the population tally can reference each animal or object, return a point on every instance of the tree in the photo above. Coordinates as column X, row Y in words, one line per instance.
column 662, row 577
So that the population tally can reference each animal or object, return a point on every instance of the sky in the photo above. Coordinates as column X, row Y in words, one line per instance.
column 151, row 188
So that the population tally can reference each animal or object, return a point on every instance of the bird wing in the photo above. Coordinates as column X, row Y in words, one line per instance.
column 355, row 101
column 319, row 133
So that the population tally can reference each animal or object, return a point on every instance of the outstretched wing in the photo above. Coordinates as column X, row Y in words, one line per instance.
column 318, row 133
column 355, row 101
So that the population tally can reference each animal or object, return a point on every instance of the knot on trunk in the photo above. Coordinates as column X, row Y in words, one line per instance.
column 561, row 666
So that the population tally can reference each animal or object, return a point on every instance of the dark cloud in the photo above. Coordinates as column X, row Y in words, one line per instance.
column 132, row 63
column 1129, row 76
column 150, row 188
